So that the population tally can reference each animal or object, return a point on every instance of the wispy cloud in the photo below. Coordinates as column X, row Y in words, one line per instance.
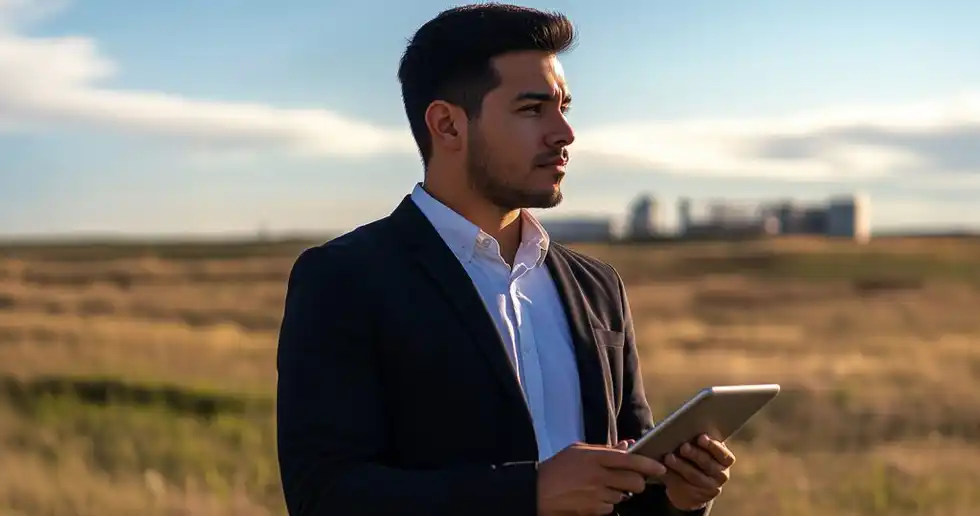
column 935, row 137
column 60, row 83
column 57, row 82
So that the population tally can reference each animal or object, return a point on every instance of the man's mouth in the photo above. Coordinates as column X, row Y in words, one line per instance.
column 559, row 161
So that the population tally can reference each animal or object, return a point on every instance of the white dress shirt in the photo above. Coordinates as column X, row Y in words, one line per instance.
column 527, row 310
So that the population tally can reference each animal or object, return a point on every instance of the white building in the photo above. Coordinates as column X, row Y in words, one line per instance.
column 849, row 217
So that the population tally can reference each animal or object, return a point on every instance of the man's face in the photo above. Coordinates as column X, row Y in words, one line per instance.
column 517, row 147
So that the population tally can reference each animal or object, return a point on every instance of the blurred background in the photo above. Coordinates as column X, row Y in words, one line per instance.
column 788, row 189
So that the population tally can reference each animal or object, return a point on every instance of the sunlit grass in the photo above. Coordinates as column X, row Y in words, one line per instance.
column 139, row 380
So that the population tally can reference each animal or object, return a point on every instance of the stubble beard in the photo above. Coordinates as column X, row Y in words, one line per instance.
column 483, row 180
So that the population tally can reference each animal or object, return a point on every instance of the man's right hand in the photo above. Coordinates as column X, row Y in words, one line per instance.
column 589, row 480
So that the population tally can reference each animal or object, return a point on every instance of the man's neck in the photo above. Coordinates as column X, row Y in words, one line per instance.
column 504, row 226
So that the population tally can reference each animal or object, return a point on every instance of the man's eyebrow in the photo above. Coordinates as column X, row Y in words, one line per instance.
column 542, row 97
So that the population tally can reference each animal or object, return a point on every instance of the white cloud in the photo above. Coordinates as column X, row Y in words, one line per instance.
column 56, row 82
column 859, row 142
column 59, row 82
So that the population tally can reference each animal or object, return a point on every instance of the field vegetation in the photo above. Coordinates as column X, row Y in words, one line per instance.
column 139, row 378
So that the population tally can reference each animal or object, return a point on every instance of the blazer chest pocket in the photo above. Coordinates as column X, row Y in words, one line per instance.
column 611, row 345
column 610, row 338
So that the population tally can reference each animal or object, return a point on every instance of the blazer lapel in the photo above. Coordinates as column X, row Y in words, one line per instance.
column 442, row 267
column 595, row 409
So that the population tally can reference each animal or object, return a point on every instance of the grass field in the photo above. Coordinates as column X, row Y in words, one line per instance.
column 138, row 379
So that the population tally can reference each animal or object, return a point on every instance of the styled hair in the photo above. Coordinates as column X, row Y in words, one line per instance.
column 449, row 57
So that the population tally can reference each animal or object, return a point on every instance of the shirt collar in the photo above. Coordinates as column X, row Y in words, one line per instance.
column 462, row 236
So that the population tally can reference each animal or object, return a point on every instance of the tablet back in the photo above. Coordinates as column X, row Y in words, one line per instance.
column 718, row 411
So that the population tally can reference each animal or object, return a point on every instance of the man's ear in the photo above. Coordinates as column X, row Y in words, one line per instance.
column 447, row 125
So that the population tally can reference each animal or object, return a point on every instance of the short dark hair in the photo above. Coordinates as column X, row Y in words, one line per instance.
column 449, row 57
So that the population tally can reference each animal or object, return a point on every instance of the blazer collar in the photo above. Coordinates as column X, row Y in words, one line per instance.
column 437, row 260
column 596, row 409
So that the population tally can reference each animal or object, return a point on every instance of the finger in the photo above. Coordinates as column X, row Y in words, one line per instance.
column 690, row 496
column 718, row 450
column 637, row 463
column 686, row 497
column 622, row 445
column 705, row 462
column 695, row 496
column 612, row 496
column 623, row 481
column 690, row 473
column 673, row 480
column 591, row 447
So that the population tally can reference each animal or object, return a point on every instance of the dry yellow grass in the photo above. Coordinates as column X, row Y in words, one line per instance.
column 877, row 347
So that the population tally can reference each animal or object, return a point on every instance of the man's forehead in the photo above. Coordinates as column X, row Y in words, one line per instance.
column 535, row 71
column 556, row 75
column 557, row 68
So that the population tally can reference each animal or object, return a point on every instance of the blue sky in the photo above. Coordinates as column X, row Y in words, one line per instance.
column 223, row 116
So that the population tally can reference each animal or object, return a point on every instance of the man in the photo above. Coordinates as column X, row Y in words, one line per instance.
column 449, row 359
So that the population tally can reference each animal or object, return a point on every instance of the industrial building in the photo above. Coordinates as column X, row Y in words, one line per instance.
column 850, row 217
column 642, row 223
column 723, row 219
column 643, row 219
column 839, row 217
column 842, row 217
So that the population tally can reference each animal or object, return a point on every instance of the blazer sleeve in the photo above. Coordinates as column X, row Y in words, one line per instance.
column 635, row 418
column 332, row 426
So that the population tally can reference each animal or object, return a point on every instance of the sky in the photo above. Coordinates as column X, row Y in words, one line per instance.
column 181, row 117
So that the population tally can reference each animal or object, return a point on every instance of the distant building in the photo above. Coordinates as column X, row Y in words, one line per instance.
column 684, row 214
column 724, row 219
column 643, row 221
column 841, row 217
column 849, row 217
column 796, row 219
column 580, row 229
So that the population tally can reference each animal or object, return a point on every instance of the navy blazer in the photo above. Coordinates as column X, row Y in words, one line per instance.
column 396, row 395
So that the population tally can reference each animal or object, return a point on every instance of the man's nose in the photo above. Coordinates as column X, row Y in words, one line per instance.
column 562, row 134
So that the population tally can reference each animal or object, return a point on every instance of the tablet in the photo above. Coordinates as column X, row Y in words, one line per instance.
column 718, row 411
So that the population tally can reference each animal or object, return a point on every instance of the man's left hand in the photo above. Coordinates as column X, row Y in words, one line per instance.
column 697, row 474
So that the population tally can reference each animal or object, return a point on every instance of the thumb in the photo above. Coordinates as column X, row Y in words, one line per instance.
column 623, row 445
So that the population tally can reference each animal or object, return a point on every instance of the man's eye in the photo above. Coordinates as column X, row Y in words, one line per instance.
column 533, row 108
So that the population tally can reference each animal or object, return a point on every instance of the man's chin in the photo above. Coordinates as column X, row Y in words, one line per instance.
column 545, row 200
column 537, row 199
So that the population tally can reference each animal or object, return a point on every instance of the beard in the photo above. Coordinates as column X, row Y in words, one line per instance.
column 483, row 176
